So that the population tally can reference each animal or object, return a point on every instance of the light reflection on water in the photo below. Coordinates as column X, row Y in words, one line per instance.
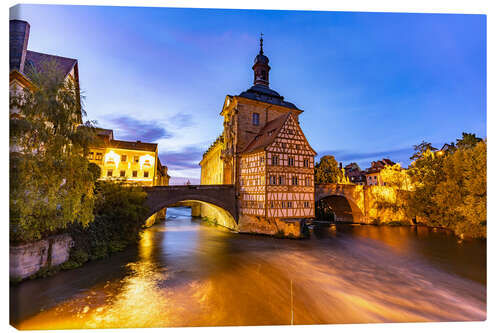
column 186, row 274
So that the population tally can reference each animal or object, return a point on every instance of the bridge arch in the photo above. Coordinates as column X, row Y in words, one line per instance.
column 221, row 197
column 346, row 200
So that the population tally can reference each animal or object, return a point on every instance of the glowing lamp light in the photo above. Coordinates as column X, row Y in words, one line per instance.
column 146, row 160
column 112, row 157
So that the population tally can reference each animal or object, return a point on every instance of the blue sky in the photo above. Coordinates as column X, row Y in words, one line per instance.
column 371, row 85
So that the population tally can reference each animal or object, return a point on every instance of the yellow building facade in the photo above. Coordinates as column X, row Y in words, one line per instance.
column 128, row 161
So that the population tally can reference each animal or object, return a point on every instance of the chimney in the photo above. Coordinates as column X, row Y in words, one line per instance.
column 18, row 43
column 340, row 165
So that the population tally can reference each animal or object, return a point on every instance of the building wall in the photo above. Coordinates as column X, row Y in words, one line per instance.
column 293, row 196
column 110, row 161
column 245, row 129
column 212, row 166
column 252, row 183
column 374, row 179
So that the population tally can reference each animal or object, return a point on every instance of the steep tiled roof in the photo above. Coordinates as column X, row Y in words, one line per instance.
column 267, row 134
column 36, row 60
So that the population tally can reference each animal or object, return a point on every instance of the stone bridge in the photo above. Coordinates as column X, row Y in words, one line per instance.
column 347, row 200
column 359, row 203
column 222, row 196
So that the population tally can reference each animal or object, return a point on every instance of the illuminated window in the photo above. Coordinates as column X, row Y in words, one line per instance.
column 262, row 161
column 274, row 160
column 290, row 161
column 98, row 156
column 122, row 173
column 124, row 158
column 90, row 155
column 306, row 204
column 308, row 181
column 146, row 174
column 306, row 163
column 136, row 159
column 290, row 204
column 255, row 119
column 134, row 173
column 110, row 173
column 295, row 180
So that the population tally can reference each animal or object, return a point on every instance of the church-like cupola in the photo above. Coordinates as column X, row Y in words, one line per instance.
column 261, row 67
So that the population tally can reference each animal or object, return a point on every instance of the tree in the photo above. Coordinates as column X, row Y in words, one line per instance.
column 421, row 149
column 468, row 140
column 327, row 171
column 450, row 189
column 395, row 176
column 50, row 181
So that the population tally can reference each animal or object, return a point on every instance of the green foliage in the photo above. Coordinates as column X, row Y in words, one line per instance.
column 119, row 216
column 450, row 189
column 327, row 171
column 422, row 149
column 468, row 140
column 396, row 177
column 95, row 170
column 50, row 182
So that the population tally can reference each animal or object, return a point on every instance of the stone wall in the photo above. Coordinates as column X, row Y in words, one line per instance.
column 269, row 226
column 156, row 217
column 217, row 215
column 27, row 259
column 369, row 204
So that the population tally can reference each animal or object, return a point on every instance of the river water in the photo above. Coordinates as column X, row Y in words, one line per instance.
column 184, row 273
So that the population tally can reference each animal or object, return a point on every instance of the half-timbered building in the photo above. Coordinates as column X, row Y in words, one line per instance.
column 263, row 152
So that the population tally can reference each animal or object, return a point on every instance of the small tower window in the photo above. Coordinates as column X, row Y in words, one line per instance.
column 255, row 119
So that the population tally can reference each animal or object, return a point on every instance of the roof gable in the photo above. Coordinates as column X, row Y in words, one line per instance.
column 267, row 134
column 291, row 131
column 36, row 60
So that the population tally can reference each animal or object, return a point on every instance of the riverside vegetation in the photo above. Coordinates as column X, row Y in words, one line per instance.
column 53, row 187
column 441, row 188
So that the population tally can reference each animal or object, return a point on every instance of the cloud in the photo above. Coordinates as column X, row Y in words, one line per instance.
column 187, row 158
column 128, row 128
column 182, row 120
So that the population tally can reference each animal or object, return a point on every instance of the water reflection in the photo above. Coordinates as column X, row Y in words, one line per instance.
column 186, row 274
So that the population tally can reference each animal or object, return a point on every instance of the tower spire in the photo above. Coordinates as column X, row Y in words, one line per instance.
column 261, row 66
column 261, row 43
